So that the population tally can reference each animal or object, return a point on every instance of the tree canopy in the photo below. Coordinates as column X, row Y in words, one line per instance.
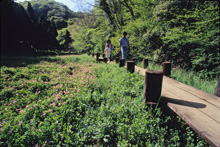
column 51, row 10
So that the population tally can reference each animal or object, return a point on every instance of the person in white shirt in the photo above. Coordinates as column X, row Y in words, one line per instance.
column 108, row 52
column 124, row 45
column 110, row 44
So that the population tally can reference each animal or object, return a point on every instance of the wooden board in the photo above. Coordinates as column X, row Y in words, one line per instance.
column 214, row 100
column 208, row 108
column 200, row 110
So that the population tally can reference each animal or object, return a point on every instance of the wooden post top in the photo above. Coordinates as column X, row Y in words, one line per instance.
column 154, row 72
column 131, row 61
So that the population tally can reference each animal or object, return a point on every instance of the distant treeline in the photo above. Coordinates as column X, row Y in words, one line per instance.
column 185, row 32
column 27, row 30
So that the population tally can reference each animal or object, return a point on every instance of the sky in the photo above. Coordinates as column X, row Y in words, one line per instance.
column 74, row 5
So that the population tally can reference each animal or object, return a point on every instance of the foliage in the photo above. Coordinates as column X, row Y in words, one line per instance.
column 51, row 10
column 23, row 32
column 184, row 32
column 64, row 38
column 195, row 39
column 59, row 102
column 86, row 37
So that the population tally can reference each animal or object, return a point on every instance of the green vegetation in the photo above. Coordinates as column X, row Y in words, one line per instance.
column 51, row 10
column 23, row 32
column 31, row 27
column 183, row 32
column 64, row 38
column 74, row 101
column 70, row 101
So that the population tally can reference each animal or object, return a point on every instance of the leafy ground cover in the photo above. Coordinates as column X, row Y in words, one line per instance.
column 71, row 101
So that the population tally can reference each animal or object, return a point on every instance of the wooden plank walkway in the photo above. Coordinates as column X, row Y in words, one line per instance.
column 198, row 109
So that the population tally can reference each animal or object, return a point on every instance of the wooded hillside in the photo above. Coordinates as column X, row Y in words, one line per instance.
column 51, row 10
column 183, row 32
column 27, row 29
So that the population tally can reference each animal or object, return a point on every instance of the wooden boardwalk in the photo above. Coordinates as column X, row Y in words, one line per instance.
column 198, row 109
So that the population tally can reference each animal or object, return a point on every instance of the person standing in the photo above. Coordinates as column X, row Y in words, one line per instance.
column 108, row 52
column 109, row 43
column 124, row 45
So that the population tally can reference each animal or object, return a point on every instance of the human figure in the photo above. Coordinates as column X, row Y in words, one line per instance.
column 108, row 52
column 124, row 46
column 109, row 43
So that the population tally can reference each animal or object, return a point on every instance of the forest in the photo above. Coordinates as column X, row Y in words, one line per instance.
column 183, row 32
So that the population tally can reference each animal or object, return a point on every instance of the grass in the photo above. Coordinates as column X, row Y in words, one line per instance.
column 73, row 101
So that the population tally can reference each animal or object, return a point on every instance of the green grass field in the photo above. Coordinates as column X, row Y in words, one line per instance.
column 74, row 101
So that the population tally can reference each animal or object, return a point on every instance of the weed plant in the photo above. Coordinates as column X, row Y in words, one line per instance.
column 63, row 101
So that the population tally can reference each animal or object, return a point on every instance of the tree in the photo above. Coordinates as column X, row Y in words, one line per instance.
column 31, row 13
column 64, row 38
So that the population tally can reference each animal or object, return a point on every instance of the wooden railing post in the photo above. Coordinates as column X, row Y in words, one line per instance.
column 153, row 86
column 101, row 59
column 105, row 59
column 121, row 62
column 134, row 59
column 97, row 57
column 217, row 89
column 145, row 63
column 167, row 68
column 131, row 66
column 117, row 59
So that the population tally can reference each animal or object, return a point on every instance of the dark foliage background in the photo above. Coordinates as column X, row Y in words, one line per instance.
column 29, row 29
